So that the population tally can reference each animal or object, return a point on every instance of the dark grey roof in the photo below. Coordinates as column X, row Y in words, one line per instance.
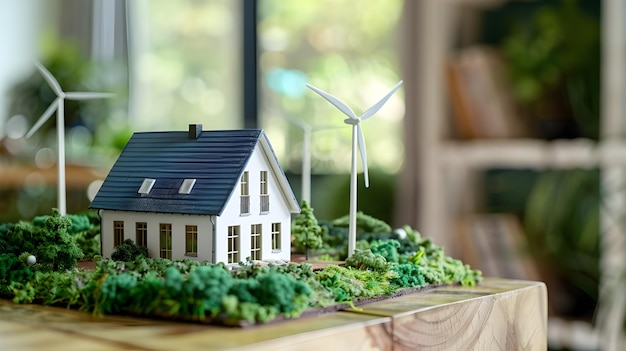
column 215, row 159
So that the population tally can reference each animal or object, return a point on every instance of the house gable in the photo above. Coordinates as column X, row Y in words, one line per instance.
column 277, row 170
column 256, row 218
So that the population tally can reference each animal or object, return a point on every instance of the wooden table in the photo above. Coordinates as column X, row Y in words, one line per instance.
column 497, row 314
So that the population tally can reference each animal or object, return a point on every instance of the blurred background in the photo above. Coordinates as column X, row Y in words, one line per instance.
column 505, row 143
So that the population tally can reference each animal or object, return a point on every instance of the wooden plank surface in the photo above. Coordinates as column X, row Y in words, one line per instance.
column 497, row 314
column 34, row 327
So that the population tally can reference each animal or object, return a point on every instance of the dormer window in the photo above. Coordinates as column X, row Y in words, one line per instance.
column 186, row 187
column 146, row 186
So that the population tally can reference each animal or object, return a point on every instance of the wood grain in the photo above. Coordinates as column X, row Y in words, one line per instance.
column 497, row 314
column 34, row 327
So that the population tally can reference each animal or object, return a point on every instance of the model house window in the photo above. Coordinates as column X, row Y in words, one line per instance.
column 245, row 193
column 141, row 234
column 118, row 232
column 233, row 244
column 265, row 198
column 165, row 240
column 275, row 236
column 191, row 240
column 255, row 242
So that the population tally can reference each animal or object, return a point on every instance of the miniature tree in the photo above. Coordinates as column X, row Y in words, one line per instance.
column 55, row 244
column 306, row 231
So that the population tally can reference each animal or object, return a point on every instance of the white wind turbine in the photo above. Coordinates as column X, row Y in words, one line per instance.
column 307, row 129
column 357, row 137
column 59, row 105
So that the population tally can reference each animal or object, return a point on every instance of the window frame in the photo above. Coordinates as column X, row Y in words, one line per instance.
column 118, row 233
column 141, row 234
column 264, row 191
column 244, row 188
column 191, row 237
column 276, row 237
column 256, row 242
column 233, row 247
column 165, row 240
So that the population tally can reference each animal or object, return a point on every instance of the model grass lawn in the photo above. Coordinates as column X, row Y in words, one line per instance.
column 247, row 293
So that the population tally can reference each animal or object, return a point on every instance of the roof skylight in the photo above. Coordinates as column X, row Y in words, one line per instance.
column 186, row 187
column 146, row 186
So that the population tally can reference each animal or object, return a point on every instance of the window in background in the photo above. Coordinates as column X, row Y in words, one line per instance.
column 185, row 64
column 20, row 25
column 349, row 51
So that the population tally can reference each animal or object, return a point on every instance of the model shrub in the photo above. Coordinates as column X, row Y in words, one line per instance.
column 388, row 249
column 12, row 270
column 133, row 283
column 128, row 250
column 47, row 238
column 347, row 283
column 85, row 229
column 367, row 260
column 407, row 275
column 365, row 223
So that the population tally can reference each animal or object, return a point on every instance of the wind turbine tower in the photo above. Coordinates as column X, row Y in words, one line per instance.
column 59, row 105
column 357, row 139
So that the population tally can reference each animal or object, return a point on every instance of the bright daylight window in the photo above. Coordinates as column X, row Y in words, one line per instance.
column 185, row 64
column 349, row 51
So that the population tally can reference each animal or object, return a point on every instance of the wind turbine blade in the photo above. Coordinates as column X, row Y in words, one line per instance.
column 320, row 128
column 44, row 118
column 372, row 110
column 336, row 102
column 297, row 122
column 363, row 153
column 87, row 96
column 50, row 79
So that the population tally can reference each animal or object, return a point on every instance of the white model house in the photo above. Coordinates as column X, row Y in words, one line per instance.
column 218, row 196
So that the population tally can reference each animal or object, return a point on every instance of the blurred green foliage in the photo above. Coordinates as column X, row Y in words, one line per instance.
column 105, row 128
column 188, row 64
column 562, row 224
column 553, row 60
column 351, row 52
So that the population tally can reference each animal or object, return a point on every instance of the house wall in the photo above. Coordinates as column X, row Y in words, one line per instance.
column 278, row 213
column 153, row 220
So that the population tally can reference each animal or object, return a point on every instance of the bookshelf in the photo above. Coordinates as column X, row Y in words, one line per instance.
column 445, row 167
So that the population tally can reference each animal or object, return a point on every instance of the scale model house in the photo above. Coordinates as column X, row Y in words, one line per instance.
column 217, row 196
